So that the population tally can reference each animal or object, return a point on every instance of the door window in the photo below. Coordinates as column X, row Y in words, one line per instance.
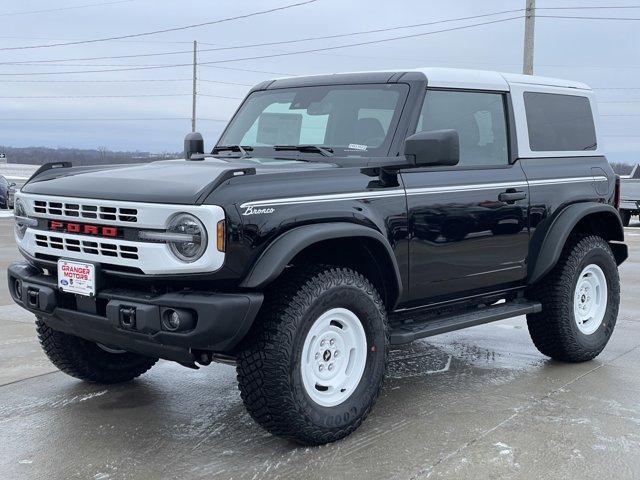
column 479, row 119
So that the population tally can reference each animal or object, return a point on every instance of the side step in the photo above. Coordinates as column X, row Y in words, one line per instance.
column 415, row 328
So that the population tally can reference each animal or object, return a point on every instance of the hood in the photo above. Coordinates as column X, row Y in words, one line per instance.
column 168, row 181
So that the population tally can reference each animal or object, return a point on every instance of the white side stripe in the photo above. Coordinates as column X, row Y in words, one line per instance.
column 336, row 197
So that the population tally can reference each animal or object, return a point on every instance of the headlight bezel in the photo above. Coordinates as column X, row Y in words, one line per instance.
column 19, row 210
column 177, row 248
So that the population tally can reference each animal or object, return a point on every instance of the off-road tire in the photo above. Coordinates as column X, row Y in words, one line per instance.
column 269, row 372
column 554, row 330
column 625, row 216
column 87, row 361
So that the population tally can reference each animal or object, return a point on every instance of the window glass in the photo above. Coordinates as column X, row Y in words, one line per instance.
column 353, row 119
column 479, row 119
column 559, row 122
column 279, row 126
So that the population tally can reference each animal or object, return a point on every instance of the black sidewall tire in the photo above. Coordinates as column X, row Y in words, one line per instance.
column 601, row 336
column 365, row 393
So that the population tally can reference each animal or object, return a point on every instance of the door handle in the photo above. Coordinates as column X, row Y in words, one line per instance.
column 512, row 195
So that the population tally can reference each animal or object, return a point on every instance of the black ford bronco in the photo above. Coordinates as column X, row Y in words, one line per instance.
column 336, row 216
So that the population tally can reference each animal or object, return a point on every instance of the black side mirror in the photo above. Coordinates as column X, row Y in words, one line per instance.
column 193, row 144
column 436, row 147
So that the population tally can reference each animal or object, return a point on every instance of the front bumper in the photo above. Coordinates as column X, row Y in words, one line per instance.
column 221, row 319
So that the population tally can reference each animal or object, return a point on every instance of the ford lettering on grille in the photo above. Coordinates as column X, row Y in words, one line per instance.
column 84, row 229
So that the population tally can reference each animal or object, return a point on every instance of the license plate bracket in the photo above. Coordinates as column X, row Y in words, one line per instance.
column 77, row 277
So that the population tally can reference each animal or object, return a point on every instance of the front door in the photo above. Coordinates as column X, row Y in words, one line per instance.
column 468, row 224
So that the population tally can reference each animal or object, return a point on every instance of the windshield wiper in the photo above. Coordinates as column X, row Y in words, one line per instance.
column 325, row 151
column 233, row 148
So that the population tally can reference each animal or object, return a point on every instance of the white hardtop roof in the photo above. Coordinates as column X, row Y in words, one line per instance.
column 489, row 80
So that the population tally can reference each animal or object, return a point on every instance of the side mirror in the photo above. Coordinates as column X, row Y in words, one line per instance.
column 12, row 184
column 436, row 147
column 193, row 144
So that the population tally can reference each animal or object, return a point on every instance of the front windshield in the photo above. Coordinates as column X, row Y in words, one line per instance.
column 352, row 120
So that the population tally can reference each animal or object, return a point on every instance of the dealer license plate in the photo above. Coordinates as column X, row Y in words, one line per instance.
column 77, row 277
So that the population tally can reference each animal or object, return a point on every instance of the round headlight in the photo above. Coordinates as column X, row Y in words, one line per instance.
column 188, row 250
column 19, row 210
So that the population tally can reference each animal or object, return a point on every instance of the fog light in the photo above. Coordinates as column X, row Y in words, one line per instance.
column 172, row 320
column 177, row 320
column 18, row 288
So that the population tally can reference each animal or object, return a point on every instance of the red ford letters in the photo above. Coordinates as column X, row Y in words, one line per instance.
column 83, row 228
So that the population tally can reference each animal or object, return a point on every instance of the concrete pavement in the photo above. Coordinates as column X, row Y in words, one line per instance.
column 479, row 403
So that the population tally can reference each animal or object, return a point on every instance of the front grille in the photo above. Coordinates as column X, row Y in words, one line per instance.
column 90, row 247
column 85, row 210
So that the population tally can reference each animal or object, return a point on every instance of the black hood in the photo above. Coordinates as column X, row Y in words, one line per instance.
column 168, row 181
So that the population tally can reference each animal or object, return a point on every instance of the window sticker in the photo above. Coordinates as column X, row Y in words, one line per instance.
column 357, row 146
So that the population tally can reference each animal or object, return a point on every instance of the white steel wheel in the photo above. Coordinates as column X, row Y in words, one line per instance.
column 334, row 357
column 590, row 299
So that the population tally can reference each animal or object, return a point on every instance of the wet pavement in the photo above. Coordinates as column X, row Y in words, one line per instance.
column 479, row 403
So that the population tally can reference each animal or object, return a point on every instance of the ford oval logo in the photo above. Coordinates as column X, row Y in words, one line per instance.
column 64, row 282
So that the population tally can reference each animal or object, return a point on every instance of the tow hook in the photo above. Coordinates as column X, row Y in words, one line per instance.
column 128, row 317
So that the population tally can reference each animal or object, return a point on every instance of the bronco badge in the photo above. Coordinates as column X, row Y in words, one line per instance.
column 257, row 211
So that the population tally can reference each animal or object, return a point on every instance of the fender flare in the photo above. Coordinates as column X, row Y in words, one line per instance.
column 546, row 251
column 284, row 248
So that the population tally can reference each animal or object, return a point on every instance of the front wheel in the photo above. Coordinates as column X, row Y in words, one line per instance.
column 313, row 368
column 90, row 361
column 580, row 299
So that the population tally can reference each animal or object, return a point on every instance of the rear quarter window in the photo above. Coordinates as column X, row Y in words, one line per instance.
column 559, row 123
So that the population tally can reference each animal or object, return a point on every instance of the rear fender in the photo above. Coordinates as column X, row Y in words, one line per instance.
column 547, row 244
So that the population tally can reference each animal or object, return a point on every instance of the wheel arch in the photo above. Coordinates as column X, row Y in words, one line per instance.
column 336, row 243
column 588, row 217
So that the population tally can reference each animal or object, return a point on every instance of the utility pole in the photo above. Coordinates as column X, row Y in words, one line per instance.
column 195, row 80
column 529, row 27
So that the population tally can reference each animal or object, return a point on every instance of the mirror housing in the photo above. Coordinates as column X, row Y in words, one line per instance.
column 436, row 147
column 193, row 144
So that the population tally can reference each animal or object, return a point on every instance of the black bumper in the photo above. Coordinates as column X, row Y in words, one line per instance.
column 221, row 319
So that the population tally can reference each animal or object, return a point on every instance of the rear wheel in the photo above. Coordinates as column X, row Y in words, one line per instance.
column 580, row 299
column 313, row 368
column 90, row 361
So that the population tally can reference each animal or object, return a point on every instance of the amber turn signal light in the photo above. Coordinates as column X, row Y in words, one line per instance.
column 220, row 234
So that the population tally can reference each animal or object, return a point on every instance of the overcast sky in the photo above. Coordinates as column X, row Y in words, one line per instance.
column 602, row 53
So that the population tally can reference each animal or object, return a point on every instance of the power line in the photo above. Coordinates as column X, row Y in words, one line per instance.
column 283, row 42
column 597, row 7
column 370, row 42
column 362, row 32
column 69, row 39
column 152, row 67
column 588, row 18
column 51, row 97
column 60, row 9
column 226, row 83
column 210, row 63
column 137, row 80
column 107, row 81
column 166, row 30
column 26, row 97
column 218, row 96
column 107, row 119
